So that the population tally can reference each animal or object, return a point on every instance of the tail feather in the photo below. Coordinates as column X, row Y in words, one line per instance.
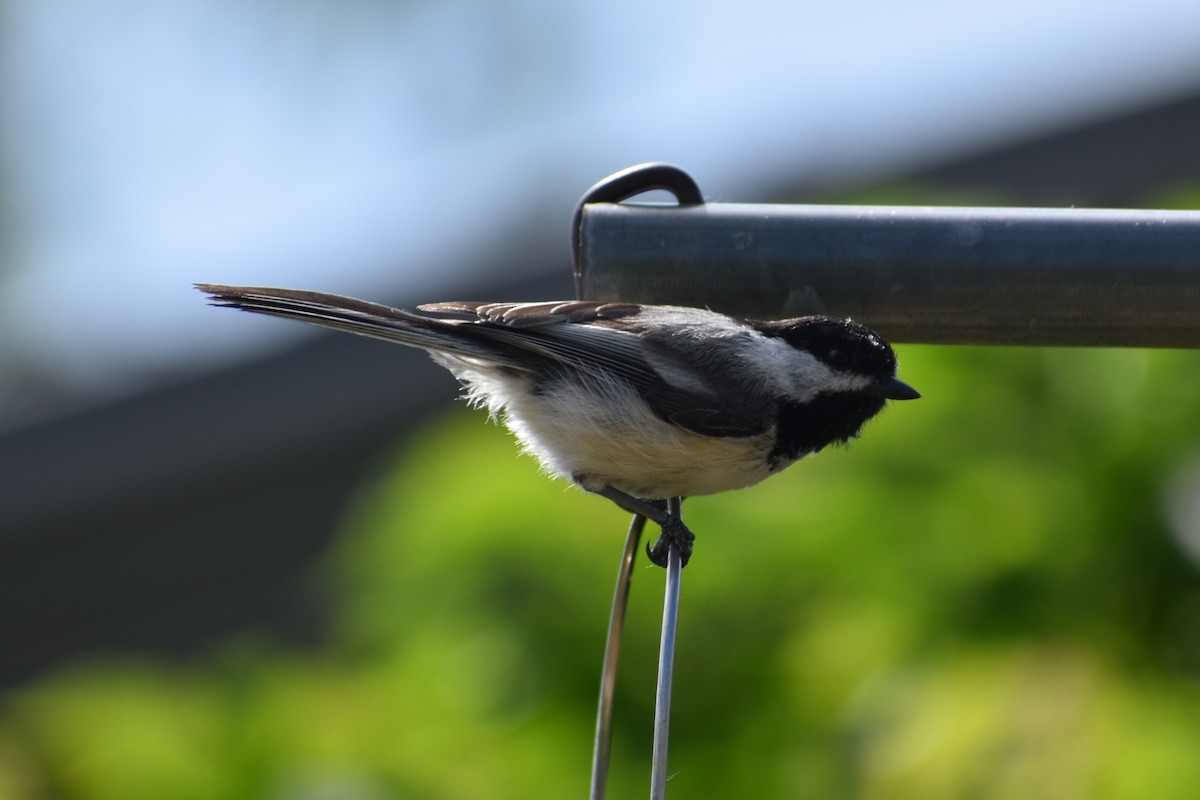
column 360, row 317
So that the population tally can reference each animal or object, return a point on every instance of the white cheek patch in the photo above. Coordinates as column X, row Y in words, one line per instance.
column 799, row 374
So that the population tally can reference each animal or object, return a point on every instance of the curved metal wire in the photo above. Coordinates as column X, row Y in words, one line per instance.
column 666, row 662
column 612, row 653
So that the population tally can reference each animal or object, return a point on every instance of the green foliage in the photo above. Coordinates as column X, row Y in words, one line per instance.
column 982, row 598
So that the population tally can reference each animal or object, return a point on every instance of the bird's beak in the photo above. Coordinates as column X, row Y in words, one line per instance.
column 895, row 389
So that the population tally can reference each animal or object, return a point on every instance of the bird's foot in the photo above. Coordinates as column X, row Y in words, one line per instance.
column 674, row 532
column 673, row 529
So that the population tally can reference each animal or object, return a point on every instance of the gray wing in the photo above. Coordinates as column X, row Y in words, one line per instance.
column 695, row 388
column 549, row 337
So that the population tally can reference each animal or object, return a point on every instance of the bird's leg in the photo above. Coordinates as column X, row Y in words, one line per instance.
column 673, row 529
column 673, row 532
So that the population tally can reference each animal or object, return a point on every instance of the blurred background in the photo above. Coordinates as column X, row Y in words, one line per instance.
column 241, row 559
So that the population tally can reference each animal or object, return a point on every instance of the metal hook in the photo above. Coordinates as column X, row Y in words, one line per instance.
column 623, row 185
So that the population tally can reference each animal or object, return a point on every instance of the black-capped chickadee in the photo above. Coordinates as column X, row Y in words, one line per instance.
column 637, row 403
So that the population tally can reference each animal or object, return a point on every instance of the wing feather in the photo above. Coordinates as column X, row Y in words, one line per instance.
column 682, row 385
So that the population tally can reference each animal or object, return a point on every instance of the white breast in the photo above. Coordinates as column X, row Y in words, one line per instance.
column 619, row 442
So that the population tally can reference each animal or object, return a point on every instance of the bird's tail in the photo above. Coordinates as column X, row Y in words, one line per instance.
column 440, row 335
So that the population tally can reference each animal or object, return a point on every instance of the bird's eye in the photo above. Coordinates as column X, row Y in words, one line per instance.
column 839, row 359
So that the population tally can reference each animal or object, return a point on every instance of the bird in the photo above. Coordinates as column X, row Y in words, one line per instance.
column 636, row 403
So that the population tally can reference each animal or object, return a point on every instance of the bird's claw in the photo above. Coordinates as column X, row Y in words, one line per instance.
column 673, row 532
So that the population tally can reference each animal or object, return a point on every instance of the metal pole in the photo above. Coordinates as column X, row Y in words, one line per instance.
column 1019, row 276
column 666, row 664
